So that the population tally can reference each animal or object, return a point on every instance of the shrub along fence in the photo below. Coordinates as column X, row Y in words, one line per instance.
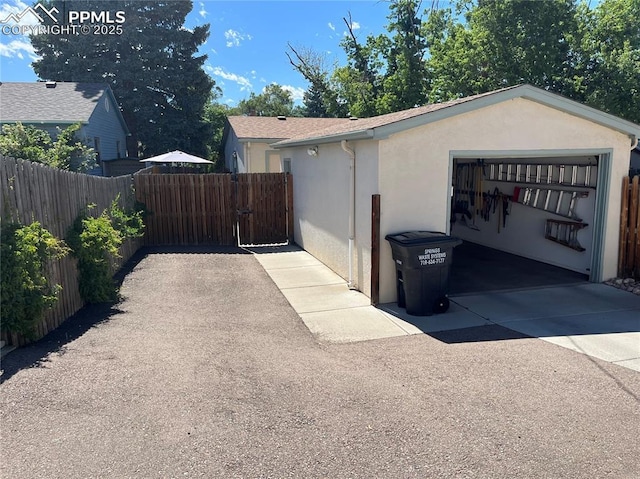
column 34, row 192
column 629, row 251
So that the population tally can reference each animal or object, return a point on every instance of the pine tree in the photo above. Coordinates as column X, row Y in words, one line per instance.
column 151, row 64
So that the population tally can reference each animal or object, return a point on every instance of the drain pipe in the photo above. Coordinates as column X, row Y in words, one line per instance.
column 352, row 207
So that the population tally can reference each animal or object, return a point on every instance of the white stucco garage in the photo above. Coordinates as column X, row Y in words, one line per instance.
column 424, row 162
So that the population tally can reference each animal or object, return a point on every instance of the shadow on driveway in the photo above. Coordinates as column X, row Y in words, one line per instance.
column 35, row 354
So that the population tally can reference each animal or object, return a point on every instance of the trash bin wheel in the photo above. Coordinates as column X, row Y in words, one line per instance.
column 441, row 305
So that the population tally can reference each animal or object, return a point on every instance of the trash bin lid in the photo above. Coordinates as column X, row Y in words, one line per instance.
column 409, row 238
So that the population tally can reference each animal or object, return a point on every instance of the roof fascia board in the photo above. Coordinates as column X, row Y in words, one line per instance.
column 351, row 135
column 247, row 139
column 44, row 122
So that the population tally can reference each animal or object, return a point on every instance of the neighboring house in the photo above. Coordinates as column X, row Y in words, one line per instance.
column 247, row 140
column 56, row 105
column 419, row 161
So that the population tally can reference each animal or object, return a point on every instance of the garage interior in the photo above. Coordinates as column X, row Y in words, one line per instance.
column 524, row 222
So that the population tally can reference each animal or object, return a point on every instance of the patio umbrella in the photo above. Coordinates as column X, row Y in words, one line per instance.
column 176, row 157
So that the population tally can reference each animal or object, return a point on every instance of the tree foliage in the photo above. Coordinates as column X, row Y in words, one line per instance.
column 608, row 72
column 152, row 67
column 29, row 143
column 320, row 100
column 273, row 101
column 450, row 50
column 385, row 73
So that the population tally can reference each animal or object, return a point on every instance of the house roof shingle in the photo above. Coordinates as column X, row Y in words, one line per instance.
column 67, row 102
column 379, row 126
column 362, row 124
column 279, row 128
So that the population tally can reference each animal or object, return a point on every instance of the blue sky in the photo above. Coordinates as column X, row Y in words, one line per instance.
column 247, row 43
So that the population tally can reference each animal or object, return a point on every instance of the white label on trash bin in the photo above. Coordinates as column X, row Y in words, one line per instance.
column 432, row 256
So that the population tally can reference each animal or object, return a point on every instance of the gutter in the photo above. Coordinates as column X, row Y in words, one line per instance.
column 352, row 135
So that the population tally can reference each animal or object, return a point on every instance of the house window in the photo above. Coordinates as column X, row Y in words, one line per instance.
column 286, row 165
column 96, row 147
column 118, row 149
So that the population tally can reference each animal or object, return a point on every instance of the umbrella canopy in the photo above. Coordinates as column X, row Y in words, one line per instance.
column 176, row 157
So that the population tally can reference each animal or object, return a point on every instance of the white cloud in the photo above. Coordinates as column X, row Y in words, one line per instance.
column 17, row 49
column 354, row 26
column 244, row 83
column 234, row 38
column 203, row 13
column 17, row 8
column 297, row 93
column 331, row 26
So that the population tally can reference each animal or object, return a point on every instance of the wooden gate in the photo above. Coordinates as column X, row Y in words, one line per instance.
column 216, row 209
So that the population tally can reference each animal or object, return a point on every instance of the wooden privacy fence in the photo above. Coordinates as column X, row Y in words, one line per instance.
column 215, row 209
column 53, row 197
column 629, row 251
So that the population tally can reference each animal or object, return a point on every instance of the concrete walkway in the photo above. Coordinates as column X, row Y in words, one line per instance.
column 593, row 319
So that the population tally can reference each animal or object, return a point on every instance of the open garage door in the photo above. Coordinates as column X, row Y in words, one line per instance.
column 525, row 222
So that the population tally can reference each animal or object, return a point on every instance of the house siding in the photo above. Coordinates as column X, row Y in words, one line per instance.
column 106, row 125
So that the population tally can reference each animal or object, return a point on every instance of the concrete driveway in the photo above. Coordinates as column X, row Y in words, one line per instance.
column 594, row 319
column 205, row 370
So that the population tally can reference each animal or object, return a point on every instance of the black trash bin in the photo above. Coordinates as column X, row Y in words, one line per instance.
column 423, row 260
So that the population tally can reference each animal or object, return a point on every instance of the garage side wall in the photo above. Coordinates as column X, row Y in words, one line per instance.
column 321, row 206
column 321, row 203
column 415, row 166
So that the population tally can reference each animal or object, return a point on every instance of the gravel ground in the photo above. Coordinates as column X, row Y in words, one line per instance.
column 204, row 370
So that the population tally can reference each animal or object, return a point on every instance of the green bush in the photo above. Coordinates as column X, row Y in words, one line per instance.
column 25, row 291
column 95, row 242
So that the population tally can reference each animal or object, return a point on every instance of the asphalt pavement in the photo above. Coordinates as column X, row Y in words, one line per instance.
column 205, row 370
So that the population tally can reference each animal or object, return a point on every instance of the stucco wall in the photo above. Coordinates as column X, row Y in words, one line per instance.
column 415, row 166
column 321, row 204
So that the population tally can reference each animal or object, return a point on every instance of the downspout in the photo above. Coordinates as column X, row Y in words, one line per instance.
column 352, row 207
column 634, row 143
column 247, row 157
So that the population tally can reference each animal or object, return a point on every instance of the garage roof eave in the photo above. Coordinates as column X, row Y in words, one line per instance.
column 247, row 139
column 351, row 135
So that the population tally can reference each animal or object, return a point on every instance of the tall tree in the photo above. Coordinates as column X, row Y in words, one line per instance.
column 273, row 101
column 320, row 100
column 386, row 73
column 503, row 42
column 609, row 63
column 151, row 64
